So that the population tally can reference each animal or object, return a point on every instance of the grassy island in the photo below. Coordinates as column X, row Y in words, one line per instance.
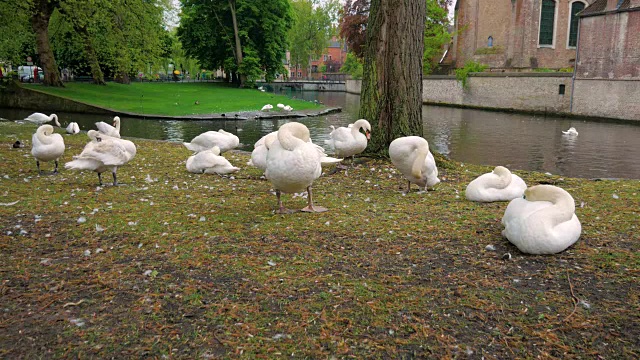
column 179, row 265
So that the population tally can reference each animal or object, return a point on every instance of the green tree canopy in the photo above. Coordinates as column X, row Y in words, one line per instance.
column 313, row 28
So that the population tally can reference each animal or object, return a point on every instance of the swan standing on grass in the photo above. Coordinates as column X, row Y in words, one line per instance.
column 498, row 185
column 225, row 141
column 293, row 163
column 411, row 155
column 349, row 141
column 103, row 153
column 73, row 128
column 267, row 107
column 47, row 146
column 543, row 222
column 40, row 118
column 210, row 162
column 571, row 131
column 113, row 131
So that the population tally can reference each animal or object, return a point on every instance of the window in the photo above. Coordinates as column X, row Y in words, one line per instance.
column 490, row 41
column 299, row 74
column 547, row 20
column 293, row 74
column 576, row 7
column 325, row 57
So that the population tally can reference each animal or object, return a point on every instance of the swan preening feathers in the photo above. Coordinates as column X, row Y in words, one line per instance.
column 103, row 153
column 47, row 146
column 349, row 141
column 73, row 128
column 225, row 141
column 210, row 162
column 498, row 185
column 113, row 131
column 543, row 222
column 40, row 118
column 293, row 163
column 411, row 155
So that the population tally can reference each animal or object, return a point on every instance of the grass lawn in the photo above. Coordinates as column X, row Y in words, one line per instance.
column 173, row 98
column 180, row 265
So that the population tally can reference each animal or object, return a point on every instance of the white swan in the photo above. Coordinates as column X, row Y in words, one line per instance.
column 349, row 141
column 260, row 150
column 293, row 163
column 543, row 222
column 73, row 128
column 47, row 146
column 225, row 141
column 40, row 118
column 287, row 108
column 113, row 131
column 571, row 131
column 280, row 106
column 210, row 162
column 411, row 155
column 498, row 185
column 103, row 153
column 267, row 107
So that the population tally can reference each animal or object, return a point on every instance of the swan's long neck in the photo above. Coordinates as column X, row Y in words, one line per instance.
column 421, row 155
column 116, row 123
column 563, row 207
column 43, row 134
column 54, row 117
column 290, row 135
column 503, row 177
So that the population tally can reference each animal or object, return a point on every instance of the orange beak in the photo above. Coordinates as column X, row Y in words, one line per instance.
column 368, row 134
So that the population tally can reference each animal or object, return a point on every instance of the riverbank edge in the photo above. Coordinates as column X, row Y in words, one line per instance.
column 16, row 96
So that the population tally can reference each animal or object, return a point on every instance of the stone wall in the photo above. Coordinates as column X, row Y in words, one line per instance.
column 618, row 99
column 14, row 96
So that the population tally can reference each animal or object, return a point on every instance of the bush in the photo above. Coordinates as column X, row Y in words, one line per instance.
column 352, row 66
column 469, row 67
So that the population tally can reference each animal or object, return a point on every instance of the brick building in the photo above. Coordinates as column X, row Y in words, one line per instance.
column 332, row 58
column 516, row 34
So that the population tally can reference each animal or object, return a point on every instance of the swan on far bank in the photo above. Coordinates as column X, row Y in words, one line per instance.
column 411, row 155
column 267, row 107
column 47, row 146
column 543, row 222
column 40, row 118
column 498, row 185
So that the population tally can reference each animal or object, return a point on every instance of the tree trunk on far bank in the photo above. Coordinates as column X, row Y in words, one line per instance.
column 238, row 48
column 392, row 83
column 92, row 57
column 42, row 10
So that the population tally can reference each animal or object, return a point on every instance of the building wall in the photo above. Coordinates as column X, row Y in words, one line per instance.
column 610, row 46
column 619, row 99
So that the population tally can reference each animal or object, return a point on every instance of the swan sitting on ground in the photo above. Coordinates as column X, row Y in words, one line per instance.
column 280, row 106
column 113, row 131
column 40, row 118
column 571, row 131
column 47, row 146
column 349, row 141
column 543, row 222
column 225, row 141
column 293, row 163
column 210, row 162
column 103, row 153
column 411, row 155
column 73, row 128
column 267, row 107
column 498, row 185
column 287, row 108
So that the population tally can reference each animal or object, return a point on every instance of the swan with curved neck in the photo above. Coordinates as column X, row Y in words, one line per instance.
column 47, row 146
column 109, row 130
column 103, row 153
column 293, row 163
column 224, row 140
column 543, row 222
column 73, row 128
column 40, row 118
column 350, row 141
column 411, row 155
column 210, row 162
column 498, row 185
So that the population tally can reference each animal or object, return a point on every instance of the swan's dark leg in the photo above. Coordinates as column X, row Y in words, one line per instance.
column 115, row 180
column 281, row 208
column 55, row 171
column 310, row 207
column 100, row 178
column 38, row 166
column 408, row 186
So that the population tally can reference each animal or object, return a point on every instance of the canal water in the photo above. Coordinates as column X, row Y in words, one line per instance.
column 518, row 141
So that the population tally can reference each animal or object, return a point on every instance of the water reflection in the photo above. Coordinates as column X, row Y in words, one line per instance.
column 517, row 141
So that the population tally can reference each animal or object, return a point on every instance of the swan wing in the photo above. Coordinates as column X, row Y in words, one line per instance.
column 107, row 129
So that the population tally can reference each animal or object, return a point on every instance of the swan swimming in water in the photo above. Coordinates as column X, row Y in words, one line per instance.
column 210, row 162
column 349, row 141
column 498, row 185
column 40, row 118
column 293, row 163
column 47, row 146
column 103, row 153
column 411, row 155
column 543, row 222
column 113, row 131
column 571, row 131
column 73, row 128
column 225, row 141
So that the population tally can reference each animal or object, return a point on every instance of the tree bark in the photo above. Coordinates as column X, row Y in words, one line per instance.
column 42, row 10
column 392, row 81
column 242, row 77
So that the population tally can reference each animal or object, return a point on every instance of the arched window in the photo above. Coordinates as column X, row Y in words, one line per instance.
column 576, row 7
column 490, row 41
column 547, row 22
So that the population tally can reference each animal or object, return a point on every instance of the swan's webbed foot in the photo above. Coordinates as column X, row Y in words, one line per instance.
column 316, row 208
column 281, row 208
column 115, row 180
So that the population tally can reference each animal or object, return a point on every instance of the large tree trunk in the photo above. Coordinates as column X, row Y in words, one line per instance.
column 42, row 10
column 232, row 6
column 92, row 57
column 392, row 83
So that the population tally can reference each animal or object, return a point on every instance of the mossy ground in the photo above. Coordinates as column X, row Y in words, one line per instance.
column 199, row 266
